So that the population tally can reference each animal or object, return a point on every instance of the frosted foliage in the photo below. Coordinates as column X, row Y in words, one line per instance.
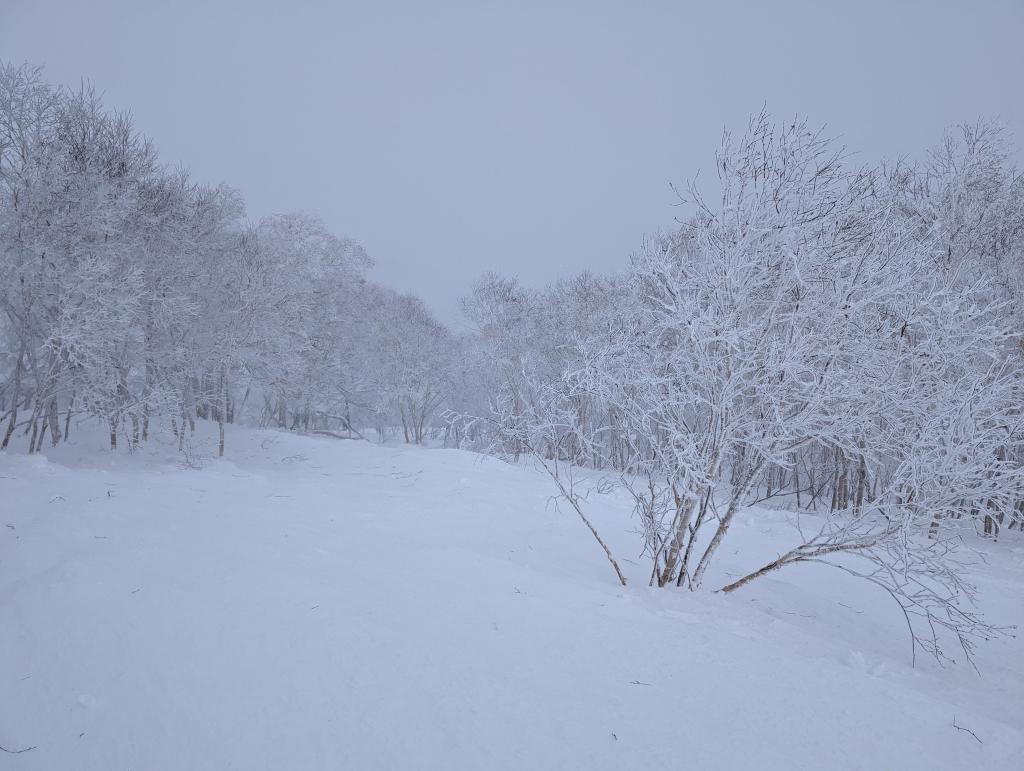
column 841, row 339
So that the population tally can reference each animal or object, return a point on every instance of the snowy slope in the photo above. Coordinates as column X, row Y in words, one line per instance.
column 310, row 603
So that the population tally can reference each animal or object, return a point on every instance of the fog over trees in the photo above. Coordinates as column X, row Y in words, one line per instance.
column 841, row 338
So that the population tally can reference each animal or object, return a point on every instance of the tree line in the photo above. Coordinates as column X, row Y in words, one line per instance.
column 134, row 295
column 842, row 339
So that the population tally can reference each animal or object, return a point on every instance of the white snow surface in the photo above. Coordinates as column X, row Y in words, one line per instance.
column 309, row 603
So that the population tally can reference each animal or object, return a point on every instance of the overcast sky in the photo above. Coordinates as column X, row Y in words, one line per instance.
column 534, row 138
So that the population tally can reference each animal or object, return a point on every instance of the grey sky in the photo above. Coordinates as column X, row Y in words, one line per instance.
column 535, row 138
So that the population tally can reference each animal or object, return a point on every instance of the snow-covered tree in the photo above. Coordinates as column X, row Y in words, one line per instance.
column 814, row 327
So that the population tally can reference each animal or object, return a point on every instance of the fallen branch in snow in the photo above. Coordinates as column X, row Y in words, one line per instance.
column 322, row 432
column 348, row 426
column 966, row 730
column 573, row 499
column 922, row 576
column 26, row 749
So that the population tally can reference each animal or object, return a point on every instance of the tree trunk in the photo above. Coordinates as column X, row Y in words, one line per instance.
column 67, row 418
column 54, row 419
column 723, row 526
column 684, row 510
column 221, row 409
column 16, row 397
column 684, row 565
column 796, row 478
column 42, row 433
column 147, row 396
column 34, row 426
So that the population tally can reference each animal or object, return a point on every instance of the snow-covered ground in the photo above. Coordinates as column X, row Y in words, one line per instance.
column 309, row 603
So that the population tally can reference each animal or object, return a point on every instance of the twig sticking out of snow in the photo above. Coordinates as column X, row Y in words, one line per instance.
column 966, row 730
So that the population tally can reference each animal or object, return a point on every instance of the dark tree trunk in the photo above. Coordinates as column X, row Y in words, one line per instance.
column 16, row 396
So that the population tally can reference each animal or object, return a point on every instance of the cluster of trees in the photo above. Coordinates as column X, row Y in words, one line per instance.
column 845, row 340
column 131, row 294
